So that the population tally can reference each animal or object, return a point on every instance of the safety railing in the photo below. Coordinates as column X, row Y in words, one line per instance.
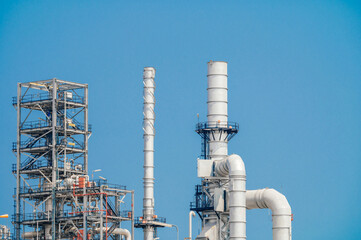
column 141, row 220
column 41, row 163
column 95, row 184
column 45, row 124
column 38, row 97
column 215, row 125
column 126, row 214
column 39, row 216
column 45, row 143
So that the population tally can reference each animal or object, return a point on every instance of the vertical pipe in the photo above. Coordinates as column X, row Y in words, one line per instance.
column 133, row 215
column 217, row 103
column 65, row 136
column 191, row 214
column 18, row 162
column 149, row 132
column 85, row 206
column 54, row 153
column 234, row 167
column 86, row 130
column 101, row 213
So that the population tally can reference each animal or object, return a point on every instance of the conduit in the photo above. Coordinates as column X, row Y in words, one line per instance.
column 281, row 210
column 233, row 166
column 117, row 231
column 191, row 214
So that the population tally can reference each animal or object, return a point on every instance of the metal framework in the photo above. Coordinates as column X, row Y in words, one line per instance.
column 204, row 203
column 54, row 197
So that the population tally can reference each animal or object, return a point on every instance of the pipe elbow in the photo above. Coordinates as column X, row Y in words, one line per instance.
column 236, row 165
column 232, row 165
column 268, row 198
column 277, row 202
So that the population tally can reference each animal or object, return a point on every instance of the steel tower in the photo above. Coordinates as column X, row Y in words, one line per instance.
column 54, row 197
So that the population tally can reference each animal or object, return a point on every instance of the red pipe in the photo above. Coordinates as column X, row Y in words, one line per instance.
column 106, row 208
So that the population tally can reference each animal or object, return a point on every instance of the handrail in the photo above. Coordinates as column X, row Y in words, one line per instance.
column 217, row 125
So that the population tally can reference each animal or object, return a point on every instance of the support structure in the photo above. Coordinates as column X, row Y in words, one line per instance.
column 54, row 198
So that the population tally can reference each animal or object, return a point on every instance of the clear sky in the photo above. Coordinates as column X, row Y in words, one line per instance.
column 294, row 88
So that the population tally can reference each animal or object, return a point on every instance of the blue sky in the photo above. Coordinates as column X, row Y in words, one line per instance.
column 294, row 88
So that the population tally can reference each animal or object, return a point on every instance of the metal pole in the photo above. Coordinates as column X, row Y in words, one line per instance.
column 133, row 215
column 86, row 130
column 85, row 200
column 54, row 155
column 65, row 127
column 18, row 162
column 101, row 213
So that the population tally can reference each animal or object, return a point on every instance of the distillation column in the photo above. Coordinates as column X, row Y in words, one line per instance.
column 149, row 133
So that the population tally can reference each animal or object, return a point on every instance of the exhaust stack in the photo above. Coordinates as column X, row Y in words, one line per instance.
column 149, row 133
column 222, row 199
column 149, row 221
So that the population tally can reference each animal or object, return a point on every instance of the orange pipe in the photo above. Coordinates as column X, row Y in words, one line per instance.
column 106, row 207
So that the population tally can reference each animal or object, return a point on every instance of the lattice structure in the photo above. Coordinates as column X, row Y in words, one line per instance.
column 54, row 197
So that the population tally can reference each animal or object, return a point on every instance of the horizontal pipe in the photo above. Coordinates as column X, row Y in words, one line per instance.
column 117, row 231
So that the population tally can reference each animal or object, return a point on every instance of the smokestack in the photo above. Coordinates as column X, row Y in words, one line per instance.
column 149, row 132
column 217, row 108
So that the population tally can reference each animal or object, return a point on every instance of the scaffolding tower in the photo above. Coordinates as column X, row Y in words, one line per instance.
column 54, row 197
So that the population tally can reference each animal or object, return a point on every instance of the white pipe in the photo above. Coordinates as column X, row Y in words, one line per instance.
column 233, row 166
column 149, row 132
column 281, row 210
column 191, row 214
column 217, row 103
column 30, row 235
column 117, row 231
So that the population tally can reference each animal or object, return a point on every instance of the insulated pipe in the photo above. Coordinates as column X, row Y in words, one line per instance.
column 233, row 166
column 281, row 210
column 217, row 104
column 191, row 214
column 48, row 210
column 117, row 231
column 31, row 235
column 149, row 132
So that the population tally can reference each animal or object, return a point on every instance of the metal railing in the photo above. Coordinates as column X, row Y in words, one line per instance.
column 96, row 184
column 38, row 97
column 201, row 201
column 44, row 143
column 215, row 125
column 38, row 216
column 41, row 163
column 44, row 124
column 140, row 220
